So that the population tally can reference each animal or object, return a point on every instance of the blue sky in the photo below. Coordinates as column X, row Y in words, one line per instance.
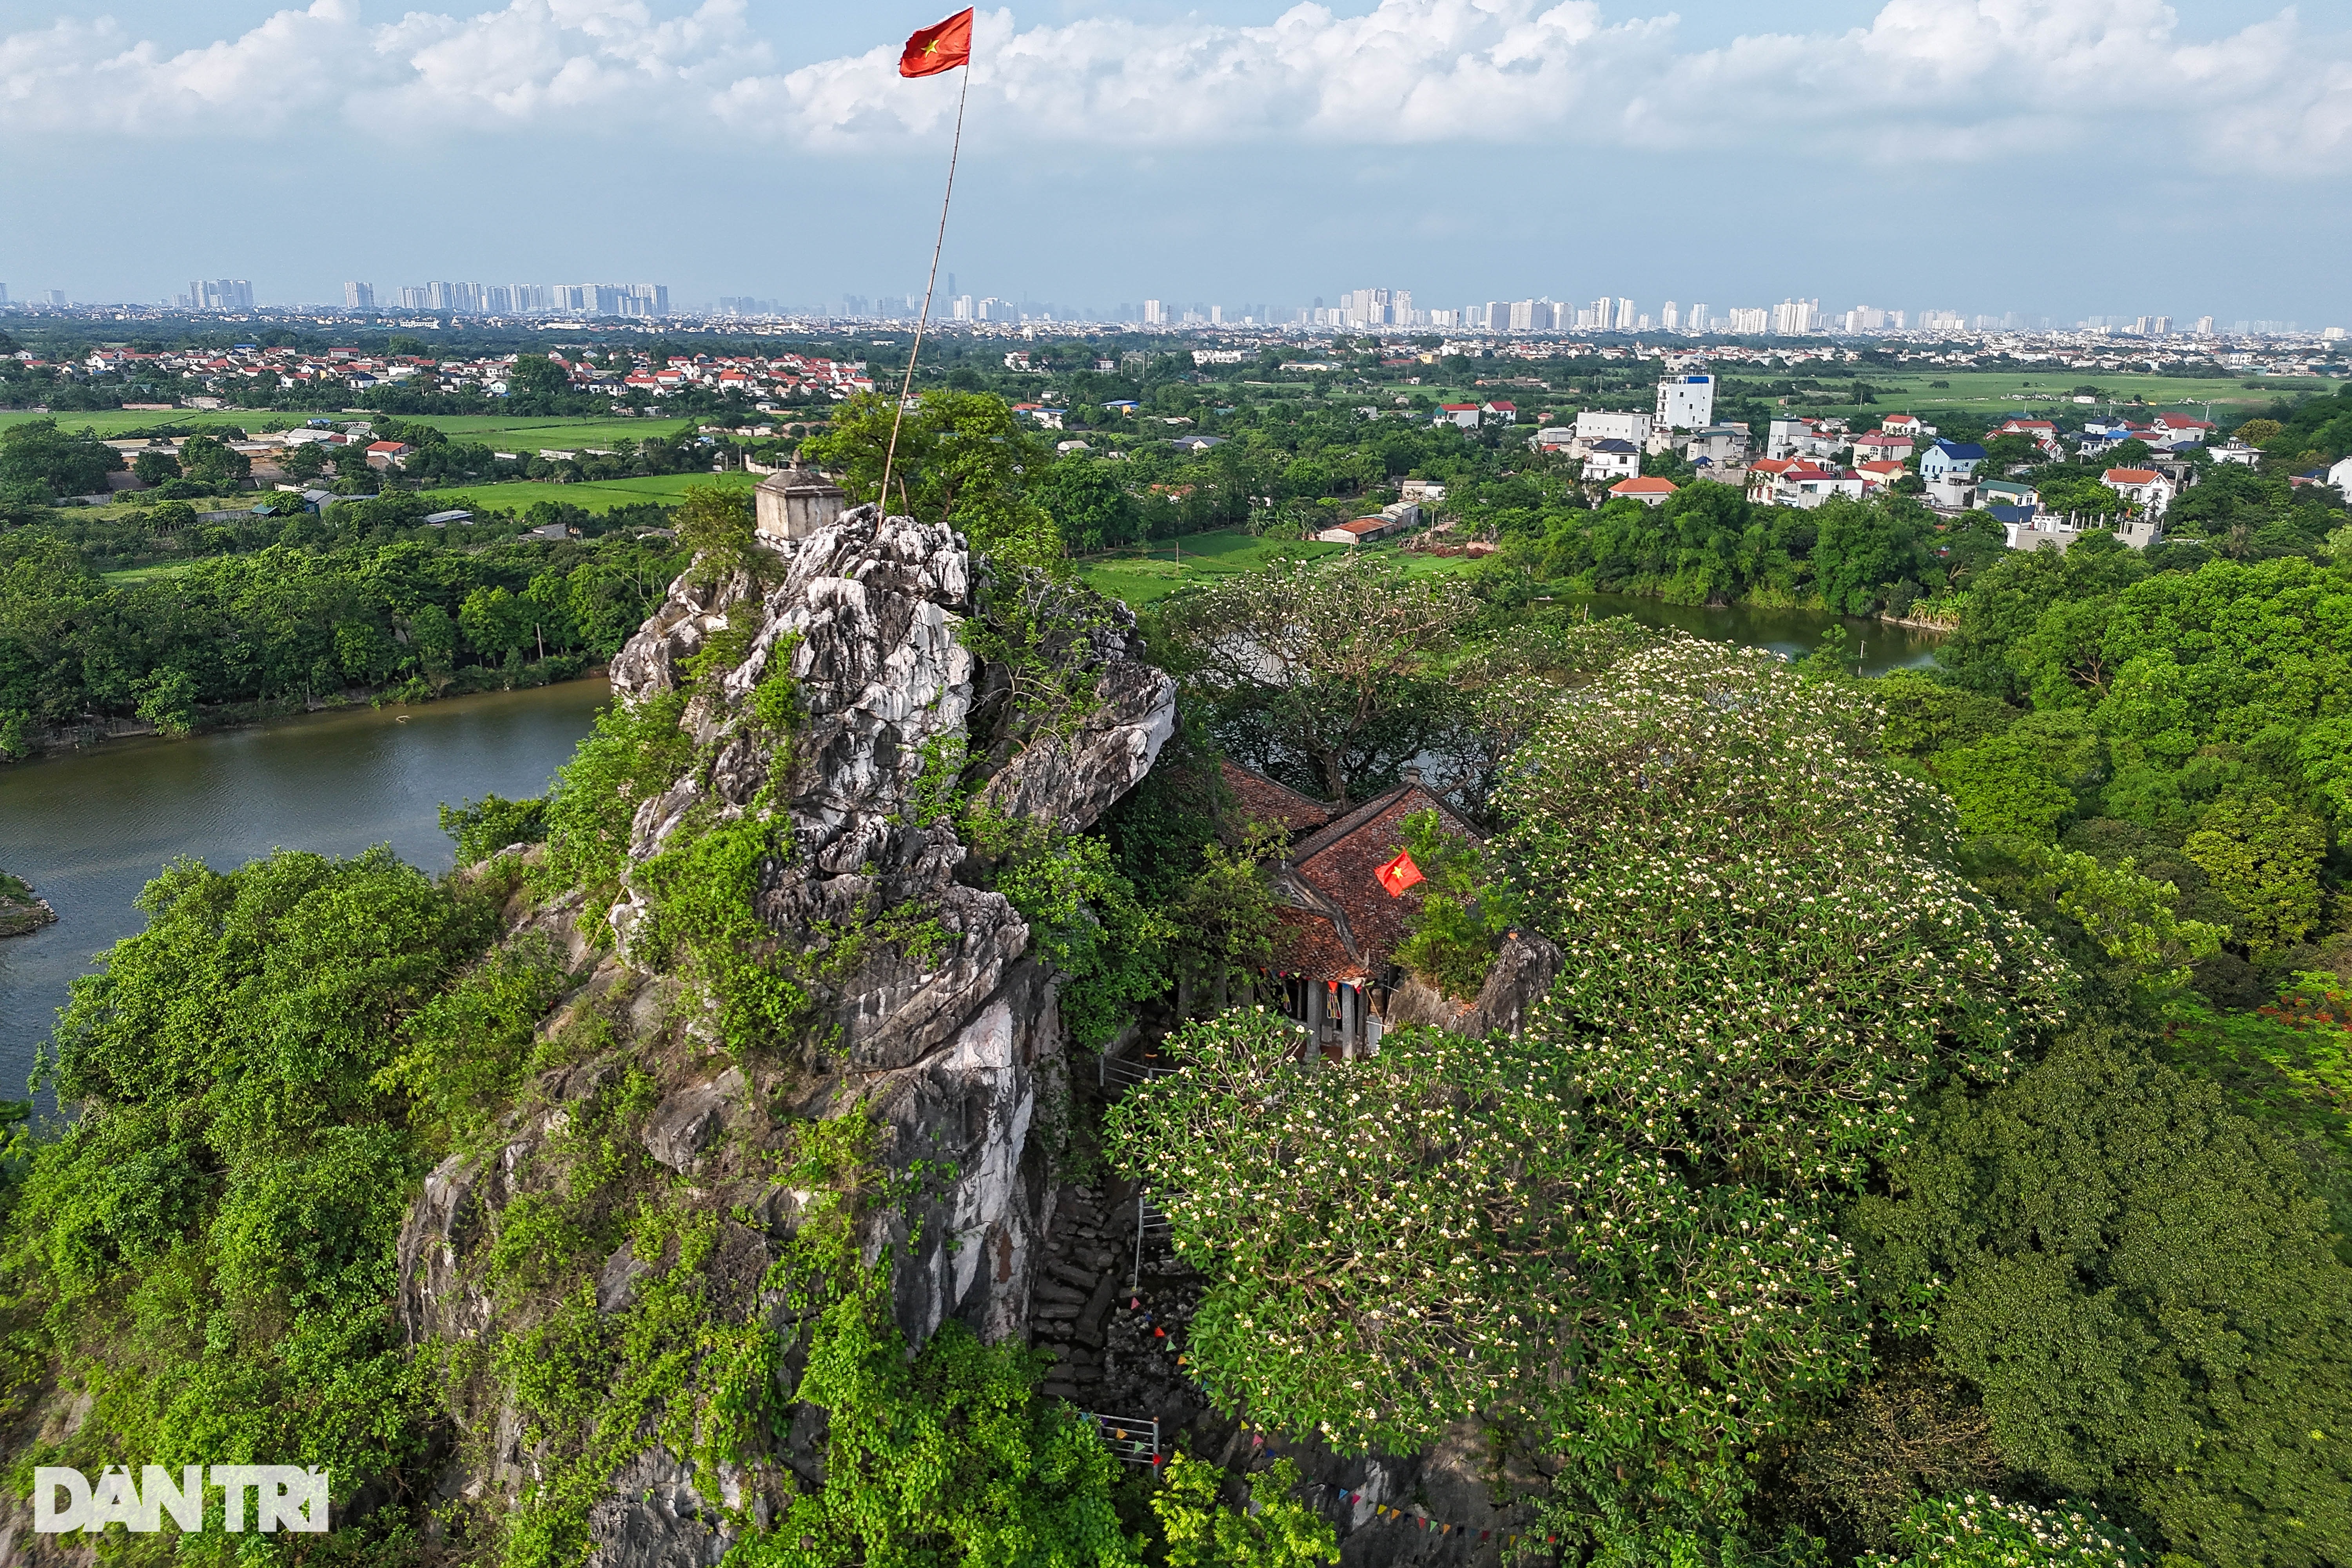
column 2062, row 157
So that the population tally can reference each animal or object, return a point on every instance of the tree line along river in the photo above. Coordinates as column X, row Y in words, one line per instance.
column 88, row 829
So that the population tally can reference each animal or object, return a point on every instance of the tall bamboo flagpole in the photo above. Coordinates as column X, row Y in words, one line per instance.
column 955, row 152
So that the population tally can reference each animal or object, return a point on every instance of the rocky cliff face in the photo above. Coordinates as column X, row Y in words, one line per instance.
column 950, row 1048
column 956, row 1050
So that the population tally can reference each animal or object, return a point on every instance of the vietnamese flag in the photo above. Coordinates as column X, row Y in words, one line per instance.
column 1399, row 874
column 939, row 48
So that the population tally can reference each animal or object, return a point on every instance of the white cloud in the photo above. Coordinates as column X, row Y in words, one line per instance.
column 1928, row 80
column 606, row 62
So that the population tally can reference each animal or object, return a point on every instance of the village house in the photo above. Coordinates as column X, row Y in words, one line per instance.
column 1395, row 518
column 1648, row 491
column 1611, row 459
column 1950, row 459
column 2144, row 488
column 1721, row 445
column 1804, row 438
column 1593, row 425
column 1880, row 446
column 2179, row 430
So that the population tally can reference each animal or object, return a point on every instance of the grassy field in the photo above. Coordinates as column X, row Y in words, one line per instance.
column 531, row 435
column 1139, row 577
column 110, row 422
column 1984, row 392
column 667, row 489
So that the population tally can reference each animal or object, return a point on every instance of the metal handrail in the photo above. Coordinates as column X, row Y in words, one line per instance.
column 1147, row 1219
column 1120, row 1071
column 1134, row 1438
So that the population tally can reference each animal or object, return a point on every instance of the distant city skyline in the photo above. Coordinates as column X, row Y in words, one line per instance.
column 1370, row 308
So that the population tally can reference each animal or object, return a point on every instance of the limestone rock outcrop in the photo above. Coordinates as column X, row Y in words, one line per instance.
column 1522, row 976
column 951, row 1042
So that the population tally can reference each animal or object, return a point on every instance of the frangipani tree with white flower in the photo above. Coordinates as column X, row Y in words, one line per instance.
column 1608, row 1240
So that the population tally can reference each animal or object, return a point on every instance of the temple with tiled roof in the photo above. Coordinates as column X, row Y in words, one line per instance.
column 1338, row 926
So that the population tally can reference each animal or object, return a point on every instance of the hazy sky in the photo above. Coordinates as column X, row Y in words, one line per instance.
column 2052, row 156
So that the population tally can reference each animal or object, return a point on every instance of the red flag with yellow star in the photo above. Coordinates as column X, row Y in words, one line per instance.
column 1398, row 875
column 937, row 48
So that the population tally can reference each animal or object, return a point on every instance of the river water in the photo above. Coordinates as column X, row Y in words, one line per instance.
column 88, row 829
column 1879, row 645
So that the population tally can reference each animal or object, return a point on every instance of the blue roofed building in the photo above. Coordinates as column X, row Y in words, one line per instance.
column 1950, row 460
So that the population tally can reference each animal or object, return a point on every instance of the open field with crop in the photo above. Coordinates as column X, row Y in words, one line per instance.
column 1140, row 577
column 603, row 495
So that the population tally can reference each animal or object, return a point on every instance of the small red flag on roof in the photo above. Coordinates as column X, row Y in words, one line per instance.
column 1400, row 874
column 937, row 48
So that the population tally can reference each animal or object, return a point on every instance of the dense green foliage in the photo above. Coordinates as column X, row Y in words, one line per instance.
column 2144, row 1294
column 1942, row 1101
column 1326, row 678
column 1980, row 1531
column 1455, row 930
column 2178, row 740
column 960, row 458
column 207, row 1251
column 483, row 827
column 39, row 460
column 289, row 623
column 1277, row 1532
column 1612, row 1239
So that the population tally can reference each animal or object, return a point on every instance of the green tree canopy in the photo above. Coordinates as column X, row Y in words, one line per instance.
column 2142, row 1287
column 961, row 459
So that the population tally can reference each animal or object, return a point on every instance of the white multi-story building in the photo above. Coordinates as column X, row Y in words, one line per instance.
column 213, row 294
column 1698, row 320
column 1795, row 318
column 1749, row 322
column 359, row 297
column 1597, row 424
column 1670, row 318
column 1685, row 403
column 1155, row 315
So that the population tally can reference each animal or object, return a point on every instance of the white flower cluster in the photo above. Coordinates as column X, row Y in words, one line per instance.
column 1768, row 949
column 1980, row 1531
column 1614, row 1233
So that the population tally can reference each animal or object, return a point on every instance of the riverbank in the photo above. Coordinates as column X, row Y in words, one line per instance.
column 91, row 828
column 477, row 681
column 21, row 910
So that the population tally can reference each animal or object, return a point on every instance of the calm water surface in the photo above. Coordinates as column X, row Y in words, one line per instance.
column 1794, row 633
column 89, row 828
